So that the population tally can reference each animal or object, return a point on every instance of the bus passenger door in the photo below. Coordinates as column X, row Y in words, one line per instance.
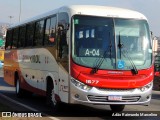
column 63, row 64
column 62, row 55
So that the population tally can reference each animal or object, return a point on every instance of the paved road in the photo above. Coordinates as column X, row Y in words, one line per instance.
column 37, row 104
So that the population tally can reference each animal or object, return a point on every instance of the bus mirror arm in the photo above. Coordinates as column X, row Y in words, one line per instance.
column 67, row 26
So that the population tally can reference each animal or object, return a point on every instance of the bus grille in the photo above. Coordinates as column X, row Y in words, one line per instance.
column 115, row 90
column 105, row 98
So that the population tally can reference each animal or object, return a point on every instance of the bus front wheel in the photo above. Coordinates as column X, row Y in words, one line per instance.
column 51, row 100
column 117, row 108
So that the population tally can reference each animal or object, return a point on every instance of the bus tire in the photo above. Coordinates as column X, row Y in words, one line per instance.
column 19, row 90
column 50, row 97
column 117, row 108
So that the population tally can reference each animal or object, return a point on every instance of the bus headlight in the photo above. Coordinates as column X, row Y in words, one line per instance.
column 80, row 84
column 146, row 87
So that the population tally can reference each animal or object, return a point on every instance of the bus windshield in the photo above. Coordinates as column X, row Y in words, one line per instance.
column 111, row 43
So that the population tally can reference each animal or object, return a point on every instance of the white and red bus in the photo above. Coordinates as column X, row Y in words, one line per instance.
column 82, row 55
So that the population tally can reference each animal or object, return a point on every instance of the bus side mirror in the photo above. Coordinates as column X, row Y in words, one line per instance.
column 63, row 27
column 157, row 70
column 157, row 74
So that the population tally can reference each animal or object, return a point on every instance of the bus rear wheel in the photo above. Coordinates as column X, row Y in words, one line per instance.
column 19, row 90
column 117, row 108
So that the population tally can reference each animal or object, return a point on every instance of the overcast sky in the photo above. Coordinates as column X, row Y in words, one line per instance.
column 150, row 8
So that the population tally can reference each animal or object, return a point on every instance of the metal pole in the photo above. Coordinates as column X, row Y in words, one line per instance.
column 20, row 11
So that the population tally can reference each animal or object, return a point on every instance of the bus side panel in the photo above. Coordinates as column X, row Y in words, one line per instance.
column 35, row 65
column 63, row 84
column 10, row 66
column 9, row 75
column 28, row 87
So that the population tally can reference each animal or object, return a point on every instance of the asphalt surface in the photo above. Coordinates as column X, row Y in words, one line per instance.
column 36, row 104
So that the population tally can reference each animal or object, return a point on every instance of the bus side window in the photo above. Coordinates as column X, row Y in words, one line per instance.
column 47, row 30
column 63, row 47
column 8, row 40
column 29, row 35
column 15, row 38
column 39, row 33
column 50, row 32
column 63, row 25
column 22, row 35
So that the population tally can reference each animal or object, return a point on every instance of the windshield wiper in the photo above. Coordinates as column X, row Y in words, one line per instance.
column 120, row 45
column 100, row 60
column 134, row 69
column 99, row 63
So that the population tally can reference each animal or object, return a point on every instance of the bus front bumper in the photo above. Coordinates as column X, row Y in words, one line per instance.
column 105, row 96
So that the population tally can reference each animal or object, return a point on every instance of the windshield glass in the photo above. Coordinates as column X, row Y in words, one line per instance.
column 97, row 38
column 135, row 41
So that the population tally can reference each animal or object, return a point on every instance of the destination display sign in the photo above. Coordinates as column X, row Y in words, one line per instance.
column 90, row 52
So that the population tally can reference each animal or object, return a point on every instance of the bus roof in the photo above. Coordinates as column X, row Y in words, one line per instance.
column 92, row 10
column 107, row 11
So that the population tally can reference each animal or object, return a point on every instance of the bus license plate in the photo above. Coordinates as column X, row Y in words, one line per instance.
column 115, row 98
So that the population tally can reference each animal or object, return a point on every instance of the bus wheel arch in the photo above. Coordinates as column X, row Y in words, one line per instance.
column 52, row 99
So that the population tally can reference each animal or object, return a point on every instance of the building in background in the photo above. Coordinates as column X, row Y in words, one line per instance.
column 3, row 30
column 155, row 44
